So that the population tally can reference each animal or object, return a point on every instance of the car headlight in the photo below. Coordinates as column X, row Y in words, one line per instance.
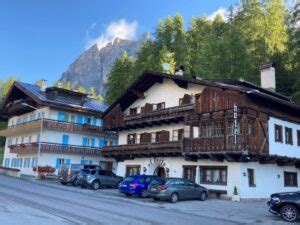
column 275, row 199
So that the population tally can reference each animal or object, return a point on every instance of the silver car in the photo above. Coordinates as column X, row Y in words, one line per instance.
column 174, row 189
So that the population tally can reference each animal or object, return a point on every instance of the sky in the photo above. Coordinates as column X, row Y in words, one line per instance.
column 40, row 39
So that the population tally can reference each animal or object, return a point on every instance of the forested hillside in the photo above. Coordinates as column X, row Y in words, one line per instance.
column 254, row 32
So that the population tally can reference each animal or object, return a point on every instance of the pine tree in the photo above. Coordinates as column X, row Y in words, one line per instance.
column 81, row 90
column 68, row 86
column 92, row 91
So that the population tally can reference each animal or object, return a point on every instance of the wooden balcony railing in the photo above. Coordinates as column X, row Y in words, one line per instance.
column 148, row 149
column 30, row 148
column 34, row 126
column 172, row 113
column 215, row 144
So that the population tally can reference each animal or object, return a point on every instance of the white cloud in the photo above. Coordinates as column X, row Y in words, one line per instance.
column 121, row 29
column 221, row 11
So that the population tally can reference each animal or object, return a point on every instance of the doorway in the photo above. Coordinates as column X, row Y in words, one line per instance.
column 160, row 172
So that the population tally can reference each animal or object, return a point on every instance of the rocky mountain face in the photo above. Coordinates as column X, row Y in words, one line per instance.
column 92, row 67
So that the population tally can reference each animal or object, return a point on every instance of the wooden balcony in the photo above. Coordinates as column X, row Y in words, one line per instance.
column 32, row 148
column 170, row 148
column 35, row 125
column 157, row 117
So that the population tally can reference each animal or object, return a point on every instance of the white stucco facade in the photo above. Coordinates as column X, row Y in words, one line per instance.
column 26, row 162
column 282, row 148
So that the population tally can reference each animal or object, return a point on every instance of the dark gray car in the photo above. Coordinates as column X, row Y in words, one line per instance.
column 174, row 189
column 99, row 178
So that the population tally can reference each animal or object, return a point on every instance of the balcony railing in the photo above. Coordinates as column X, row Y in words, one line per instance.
column 172, row 113
column 213, row 144
column 148, row 149
column 34, row 126
column 30, row 148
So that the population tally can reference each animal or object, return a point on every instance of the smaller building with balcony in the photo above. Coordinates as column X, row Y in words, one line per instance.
column 219, row 133
column 51, row 126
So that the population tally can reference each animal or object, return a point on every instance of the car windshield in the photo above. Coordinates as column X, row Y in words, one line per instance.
column 129, row 179
column 83, row 172
column 158, row 182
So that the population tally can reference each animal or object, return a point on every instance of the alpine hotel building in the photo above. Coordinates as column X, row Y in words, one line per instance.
column 51, row 126
column 218, row 133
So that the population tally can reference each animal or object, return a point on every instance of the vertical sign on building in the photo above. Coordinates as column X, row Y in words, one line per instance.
column 235, row 125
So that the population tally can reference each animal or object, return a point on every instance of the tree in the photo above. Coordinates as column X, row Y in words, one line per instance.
column 120, row 77
column 167, row 57
column 68, row 86
column 81, row 90
column 92, row 91
column 6, row 86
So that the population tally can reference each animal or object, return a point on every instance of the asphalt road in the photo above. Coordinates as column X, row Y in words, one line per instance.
column 24, row 202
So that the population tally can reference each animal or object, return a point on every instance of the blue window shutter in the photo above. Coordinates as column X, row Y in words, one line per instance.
column 86, row 119
column 79, row 119
column 82, row 162
column 90, row 162
column 84, row 141
column 61, row 116
column 57, row 163
column 93, row 142
column 101, row 123
column 65, row 139
column 68, row 161
column 94, row 121
column 101, row 143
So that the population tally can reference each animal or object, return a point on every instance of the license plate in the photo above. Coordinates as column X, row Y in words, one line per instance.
column 123, row 185
column 153, row 189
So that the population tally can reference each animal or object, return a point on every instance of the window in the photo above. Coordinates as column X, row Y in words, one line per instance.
column 177, row 135
column 196, row 132
column 187, row 131
column 278, row 133
column 59, row 161
column 289, row 136
column 133, row 170
column 298, row 137
column 65, row 139
column 6, row 162
column 214, row 175
column 133, row 111
column 29, row 139
column 251, row 181
column 138, row 139
column 189, row 172
column 232, row 128
column 153, row 137
column 72, row 118
column 62, row 117
column 290, row 179
column 251, row 124
column 34, row 162
column 131, row 138
column 161, row 105
column 106, row 165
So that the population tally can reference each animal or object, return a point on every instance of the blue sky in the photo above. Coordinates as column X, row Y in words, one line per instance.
column 39, row 39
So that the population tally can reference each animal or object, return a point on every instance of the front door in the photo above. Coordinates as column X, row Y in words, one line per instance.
column 160, row 172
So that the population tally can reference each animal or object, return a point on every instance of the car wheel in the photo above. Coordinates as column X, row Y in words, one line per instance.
column 174, row 198
column 96, row 185
column 128, row 195
column 75, row 182
column 144, row 193
column 156, row 199
column 64, row 183
column 289, row 213
column 203, row 196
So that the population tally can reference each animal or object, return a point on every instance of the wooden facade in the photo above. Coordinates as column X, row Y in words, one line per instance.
column 212, row 115
column 30, row 148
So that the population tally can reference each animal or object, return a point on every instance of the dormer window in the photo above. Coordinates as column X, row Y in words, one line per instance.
column 133, row 111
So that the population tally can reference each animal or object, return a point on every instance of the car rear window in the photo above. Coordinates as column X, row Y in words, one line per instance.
column 158, row 182
column 129, row 179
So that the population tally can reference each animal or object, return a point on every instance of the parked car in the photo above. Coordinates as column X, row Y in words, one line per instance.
column 136, row 185
column 174, row 189
column 286, row 204
column 67, row 173
column 98, row 178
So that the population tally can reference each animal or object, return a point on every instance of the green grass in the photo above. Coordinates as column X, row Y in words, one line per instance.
column 1, row 155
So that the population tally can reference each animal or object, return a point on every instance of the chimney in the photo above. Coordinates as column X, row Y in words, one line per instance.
column 43, row 85
column 267, row 76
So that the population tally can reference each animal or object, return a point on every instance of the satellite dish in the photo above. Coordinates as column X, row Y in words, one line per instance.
column 166, row 66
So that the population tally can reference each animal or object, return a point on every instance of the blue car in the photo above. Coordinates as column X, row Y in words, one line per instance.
column 136, row 185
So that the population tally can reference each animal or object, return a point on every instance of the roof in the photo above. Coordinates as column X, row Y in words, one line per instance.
column 149, row 78
column 70, row 99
